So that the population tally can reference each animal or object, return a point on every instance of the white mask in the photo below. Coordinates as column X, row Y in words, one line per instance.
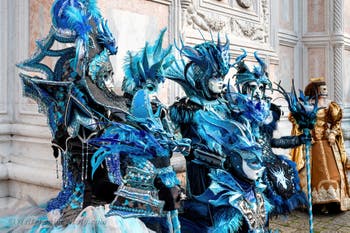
column 251, row 173
column 216, row 85
column 323, row 91
column 255, row 90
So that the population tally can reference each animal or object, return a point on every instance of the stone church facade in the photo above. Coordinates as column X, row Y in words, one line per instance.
column 297, row 39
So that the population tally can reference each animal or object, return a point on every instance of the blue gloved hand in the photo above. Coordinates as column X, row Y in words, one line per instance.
column 304, row 138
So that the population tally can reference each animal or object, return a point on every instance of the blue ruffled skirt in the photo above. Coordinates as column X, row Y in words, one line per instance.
column 91, row 219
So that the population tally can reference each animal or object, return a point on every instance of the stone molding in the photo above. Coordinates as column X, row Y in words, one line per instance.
column 287, row 38
column 338, row 24
column 338, row 73
column 4, row 174
column 3, row 57
column 40, row 177
column 253, row 26
column 165, row 2
column 185, row 4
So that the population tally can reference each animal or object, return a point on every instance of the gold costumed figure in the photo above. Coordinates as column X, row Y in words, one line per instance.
column 330, row 189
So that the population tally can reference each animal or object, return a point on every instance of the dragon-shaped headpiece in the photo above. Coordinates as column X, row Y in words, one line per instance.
column 82, row 20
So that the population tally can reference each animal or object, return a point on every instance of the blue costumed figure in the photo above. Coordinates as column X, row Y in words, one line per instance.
column 202, row 79
column 77, row 95
column 224, row 164
column 280, row 176
column 143, row 147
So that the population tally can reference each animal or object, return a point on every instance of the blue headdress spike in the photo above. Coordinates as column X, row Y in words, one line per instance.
column 143, row 65
column 243, row 74
column 240, row 58
column 260, row 72
column 226, row 46
column 146, row 67
column 202, row 35
column 262, row 69
column 106, row 38
column 211, row 35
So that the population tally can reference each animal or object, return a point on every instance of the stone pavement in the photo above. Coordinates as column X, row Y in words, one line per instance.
column 298, row 221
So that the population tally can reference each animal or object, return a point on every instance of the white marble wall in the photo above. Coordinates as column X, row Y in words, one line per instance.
column 298, row 39
column 313, row 42
column 27, row 167
column 5, row 137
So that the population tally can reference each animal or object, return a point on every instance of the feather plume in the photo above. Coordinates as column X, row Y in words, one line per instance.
column 78, row 20
column 93, row 9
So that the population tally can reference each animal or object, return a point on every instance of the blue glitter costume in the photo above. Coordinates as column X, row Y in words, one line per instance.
column 221, row 195
column 150, row 187
column 77, row 96
column 280, row 176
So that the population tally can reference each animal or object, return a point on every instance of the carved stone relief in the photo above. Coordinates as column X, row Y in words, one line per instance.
column 245, row 3
column 185, row 3
column 247, row 29
column 205, row 20
column 201, row 21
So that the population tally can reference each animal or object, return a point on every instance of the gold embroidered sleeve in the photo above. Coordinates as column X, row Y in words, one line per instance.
column 296, row 153
column 335, row 115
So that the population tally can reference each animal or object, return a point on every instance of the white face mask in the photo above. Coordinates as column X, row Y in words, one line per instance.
column 216, row 85
column 109, row 83
column 269, row 118
column 251, row 173
column 105, row 76
column 323, row 91
column 255, row 90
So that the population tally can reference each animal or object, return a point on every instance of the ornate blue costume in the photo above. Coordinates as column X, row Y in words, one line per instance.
column 150, row 187
column 225, row 160
column 201, row 104
column 115, row 150
column 280, row 176
column 77, row 96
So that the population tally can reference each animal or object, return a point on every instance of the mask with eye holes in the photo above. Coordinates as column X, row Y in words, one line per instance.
column 252, row 83
column 216, row 85
column 246, row 164
column 210, row 70
column 101, row 72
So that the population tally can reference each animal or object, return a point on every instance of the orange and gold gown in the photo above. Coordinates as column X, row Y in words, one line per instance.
column 329, row 182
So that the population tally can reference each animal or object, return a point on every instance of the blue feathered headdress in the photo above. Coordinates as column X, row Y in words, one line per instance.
column 244, row 75
column 206, row 60
column 145, row 68
column 80, row 19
